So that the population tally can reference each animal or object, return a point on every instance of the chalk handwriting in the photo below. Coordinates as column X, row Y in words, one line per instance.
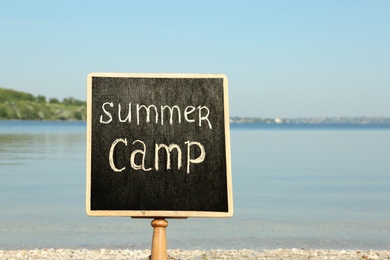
column 160, row 114
column 167, row 148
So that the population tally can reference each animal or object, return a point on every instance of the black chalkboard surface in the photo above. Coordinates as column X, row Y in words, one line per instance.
column 158, row 145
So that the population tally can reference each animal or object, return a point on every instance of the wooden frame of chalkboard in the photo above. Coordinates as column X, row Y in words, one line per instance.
column 158, row 145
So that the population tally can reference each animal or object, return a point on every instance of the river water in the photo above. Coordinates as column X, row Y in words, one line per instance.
column 293, row 187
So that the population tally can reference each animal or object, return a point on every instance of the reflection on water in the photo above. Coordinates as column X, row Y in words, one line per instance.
column 27, row 148
column 292, row 188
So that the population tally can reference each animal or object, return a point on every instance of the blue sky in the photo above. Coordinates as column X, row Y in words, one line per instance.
column 282, row 58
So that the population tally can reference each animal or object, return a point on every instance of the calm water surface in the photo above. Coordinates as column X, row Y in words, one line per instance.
column 293, row 187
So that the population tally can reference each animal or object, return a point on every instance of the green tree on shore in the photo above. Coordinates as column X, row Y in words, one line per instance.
column 24, row 106
column 41, row 99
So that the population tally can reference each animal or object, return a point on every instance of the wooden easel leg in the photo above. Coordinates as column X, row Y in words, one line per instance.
column 159, row 241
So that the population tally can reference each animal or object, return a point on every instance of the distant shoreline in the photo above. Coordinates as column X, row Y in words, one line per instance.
column 17, row 105
column 331, row 122
column 364, row 120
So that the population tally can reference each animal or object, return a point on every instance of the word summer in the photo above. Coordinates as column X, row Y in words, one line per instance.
column 141, row 154
column 172, row 114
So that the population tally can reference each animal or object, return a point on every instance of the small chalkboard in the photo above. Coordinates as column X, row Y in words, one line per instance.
column 158, row 145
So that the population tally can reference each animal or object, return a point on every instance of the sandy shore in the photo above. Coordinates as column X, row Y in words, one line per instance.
column 195, row 254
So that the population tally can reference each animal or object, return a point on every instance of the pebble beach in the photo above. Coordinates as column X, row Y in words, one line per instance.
column 195, row 254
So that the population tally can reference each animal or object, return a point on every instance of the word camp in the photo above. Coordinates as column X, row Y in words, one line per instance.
column 142, row 155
